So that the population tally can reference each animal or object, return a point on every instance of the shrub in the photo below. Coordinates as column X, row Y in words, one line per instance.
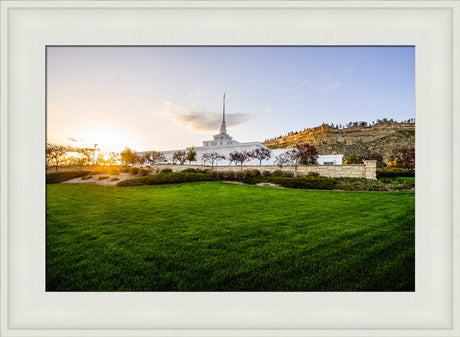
column 277, row 173
column 313, row 174
column 393, row 173
column 59, row 177
column 227, row 175
column 102, row 177
column 171, row 178
column 144, row 172
column 240, row 175
column 252, row 173
column 288, row 174
column 115, row 179
column 124, row 170
column 266, row 173
column 134, row 170
column 166, row 170
column 86, row 177
column 195, row 170
column 317, row 183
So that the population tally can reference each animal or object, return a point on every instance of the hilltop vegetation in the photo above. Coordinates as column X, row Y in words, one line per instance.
column 355, row 138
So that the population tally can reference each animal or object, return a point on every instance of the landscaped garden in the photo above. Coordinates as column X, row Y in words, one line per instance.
column 216, row 236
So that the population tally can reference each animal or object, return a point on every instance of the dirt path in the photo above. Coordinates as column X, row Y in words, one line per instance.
column 106, row 182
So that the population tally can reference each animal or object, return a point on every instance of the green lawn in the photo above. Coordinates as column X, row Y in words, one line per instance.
column 213, row 236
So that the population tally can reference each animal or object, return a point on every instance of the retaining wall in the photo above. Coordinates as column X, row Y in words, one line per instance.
column 366, row 170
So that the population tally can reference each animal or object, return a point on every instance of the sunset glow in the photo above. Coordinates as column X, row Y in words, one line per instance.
column 169, row 98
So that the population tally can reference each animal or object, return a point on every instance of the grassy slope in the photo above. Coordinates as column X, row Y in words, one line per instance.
column 215, row 236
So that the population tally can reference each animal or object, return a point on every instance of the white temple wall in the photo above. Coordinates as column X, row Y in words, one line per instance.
column 227, row 149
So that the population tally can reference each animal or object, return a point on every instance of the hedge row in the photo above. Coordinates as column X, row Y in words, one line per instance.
column 393, row 173
column 166, row 178
column 59, row 177
column 307, row 182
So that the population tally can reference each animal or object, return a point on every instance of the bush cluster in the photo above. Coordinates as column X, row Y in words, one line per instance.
column 133, row 170
column 115, row 179
column 86, row 177
column 222, row 175
column 280, row 173
column 166, row 170
column 144, row 172
column 195, row 170
column 59, row 177
column 169, row 178
column 393, row 173
column 102, row 177
column 315, row 183
column 360, row 184
column 277, row 173
column 124, row 170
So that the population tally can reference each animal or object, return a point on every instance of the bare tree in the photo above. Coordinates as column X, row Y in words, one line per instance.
column 212, row 157
column 55, row 154
column 261, row 153
column 140, row 159
column 240, row 157
column 114, row 157
column 179, row 156
column 87, row 153
column 308, row 154
column 302, row 153
column 154, row 157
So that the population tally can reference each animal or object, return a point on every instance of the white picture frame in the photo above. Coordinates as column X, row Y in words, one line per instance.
column 431, row 26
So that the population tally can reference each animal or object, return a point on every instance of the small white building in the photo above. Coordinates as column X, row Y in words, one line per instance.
column 224, row 144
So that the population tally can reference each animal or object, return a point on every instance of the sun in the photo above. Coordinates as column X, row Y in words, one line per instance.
column 108, row 139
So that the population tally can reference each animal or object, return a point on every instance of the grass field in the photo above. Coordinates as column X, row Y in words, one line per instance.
column 214, row 236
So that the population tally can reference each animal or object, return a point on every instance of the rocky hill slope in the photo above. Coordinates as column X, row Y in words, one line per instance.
column 380, row 138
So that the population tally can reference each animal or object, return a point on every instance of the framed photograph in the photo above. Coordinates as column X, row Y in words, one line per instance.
column 230, row 168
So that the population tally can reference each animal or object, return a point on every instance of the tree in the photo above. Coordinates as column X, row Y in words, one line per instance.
column 179, row 156
column 261, row 153
column 128, row 156
column 308, row 154
column 240, row 157
column 403, row 158
column 352, row 159
column 87, row 153
column 302, row 153
column 140, row 159
column 114, row 157
column 55, row 154
column 372, row 156
column 191, row 155
column 212, row 157
column 154, row 157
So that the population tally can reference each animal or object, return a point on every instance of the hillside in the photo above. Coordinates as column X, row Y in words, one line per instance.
column 381, row 138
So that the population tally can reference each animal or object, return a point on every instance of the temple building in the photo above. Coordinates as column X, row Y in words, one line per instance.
column 224, row 144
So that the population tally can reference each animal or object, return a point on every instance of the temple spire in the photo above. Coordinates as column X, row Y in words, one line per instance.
column 223, row 127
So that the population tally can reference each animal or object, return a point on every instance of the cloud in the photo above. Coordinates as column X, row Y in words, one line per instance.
column 330, row 81
column 72, row 139
column 324, row 89
column 290, row 71
column 198, row 120
column 268, row 109
column 199, row 92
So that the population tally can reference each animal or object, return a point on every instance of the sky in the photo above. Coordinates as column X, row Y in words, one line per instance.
column 169, row 98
